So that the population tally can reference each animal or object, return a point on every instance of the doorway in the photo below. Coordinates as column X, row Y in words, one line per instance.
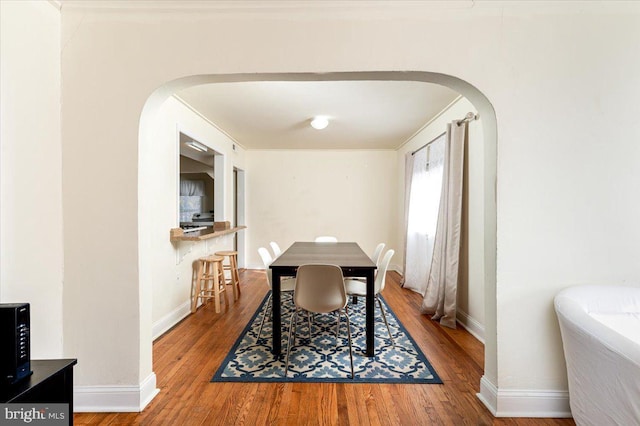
column 239, row 214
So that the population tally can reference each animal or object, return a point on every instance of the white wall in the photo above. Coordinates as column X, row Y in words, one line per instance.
column 563, row 79
column 297, row 195
column 171, row 265
column 567, row 162
column 31, row 183
column 471, row 289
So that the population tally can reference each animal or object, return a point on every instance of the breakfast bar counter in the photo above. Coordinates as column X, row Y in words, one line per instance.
column 178, row 234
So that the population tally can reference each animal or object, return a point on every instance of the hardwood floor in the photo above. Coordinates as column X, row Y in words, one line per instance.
column 186, row 357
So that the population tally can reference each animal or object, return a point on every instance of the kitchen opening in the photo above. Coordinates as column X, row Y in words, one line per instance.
column 197, row 187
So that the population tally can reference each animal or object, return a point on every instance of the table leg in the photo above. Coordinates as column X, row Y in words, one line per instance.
column 275, row 312
column 370, row 313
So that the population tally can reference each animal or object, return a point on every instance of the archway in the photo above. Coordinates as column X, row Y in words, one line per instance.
column 481, row 103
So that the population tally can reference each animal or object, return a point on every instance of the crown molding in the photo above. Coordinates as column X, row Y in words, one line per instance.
column 260, row 5
column 214, row 125
column 384, row 9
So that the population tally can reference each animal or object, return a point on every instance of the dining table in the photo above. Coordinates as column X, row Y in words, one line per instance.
column 353, row 261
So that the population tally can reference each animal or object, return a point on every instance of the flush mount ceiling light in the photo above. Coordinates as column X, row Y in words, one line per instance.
column 197, row 146
column 319, row 122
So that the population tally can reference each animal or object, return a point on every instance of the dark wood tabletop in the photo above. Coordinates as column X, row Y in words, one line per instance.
column 345, row 255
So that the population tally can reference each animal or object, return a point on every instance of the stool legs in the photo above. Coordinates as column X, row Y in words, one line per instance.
column 232, row 268
column 209, row 282
column 196, row 278
column 235, row 276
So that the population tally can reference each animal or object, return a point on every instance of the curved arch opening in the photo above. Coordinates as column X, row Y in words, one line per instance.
column 153, row 157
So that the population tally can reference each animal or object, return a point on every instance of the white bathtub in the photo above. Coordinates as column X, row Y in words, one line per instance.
column 600, row 327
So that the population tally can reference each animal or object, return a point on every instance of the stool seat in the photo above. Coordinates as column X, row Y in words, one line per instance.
column 233, row 278
column 208, row 282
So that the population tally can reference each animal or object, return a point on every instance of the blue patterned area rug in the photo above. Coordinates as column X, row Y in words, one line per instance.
column 251, row 360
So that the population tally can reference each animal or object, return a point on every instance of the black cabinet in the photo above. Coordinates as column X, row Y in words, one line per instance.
column 51, row 382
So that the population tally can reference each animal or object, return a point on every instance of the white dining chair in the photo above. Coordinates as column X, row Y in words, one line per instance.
column 375, row 257
column 359, row 288
column 319, row 289
column 287, row 284
column 275, row 248
column 326, row 239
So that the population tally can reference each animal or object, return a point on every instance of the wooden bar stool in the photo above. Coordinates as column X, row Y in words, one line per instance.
column 232, row 278
column 209, row 282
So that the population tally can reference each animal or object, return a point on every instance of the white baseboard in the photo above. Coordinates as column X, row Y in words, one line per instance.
column 524, row 403
column 471, row 325
column 172, row 318
column 488, row 395
column 396, row 268
column 127, row 399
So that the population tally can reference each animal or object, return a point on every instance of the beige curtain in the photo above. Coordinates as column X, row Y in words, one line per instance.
column 441, row 293
column 408, row 173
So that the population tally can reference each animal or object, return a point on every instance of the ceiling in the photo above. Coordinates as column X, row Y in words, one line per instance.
column 277, row 114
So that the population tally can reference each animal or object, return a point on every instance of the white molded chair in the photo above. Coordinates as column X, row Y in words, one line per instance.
column 326, row 239
column 375, row 257
column 359, row 288
column 287, row 284
column 377, row 253
column 319, row 289
column 276, row 249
